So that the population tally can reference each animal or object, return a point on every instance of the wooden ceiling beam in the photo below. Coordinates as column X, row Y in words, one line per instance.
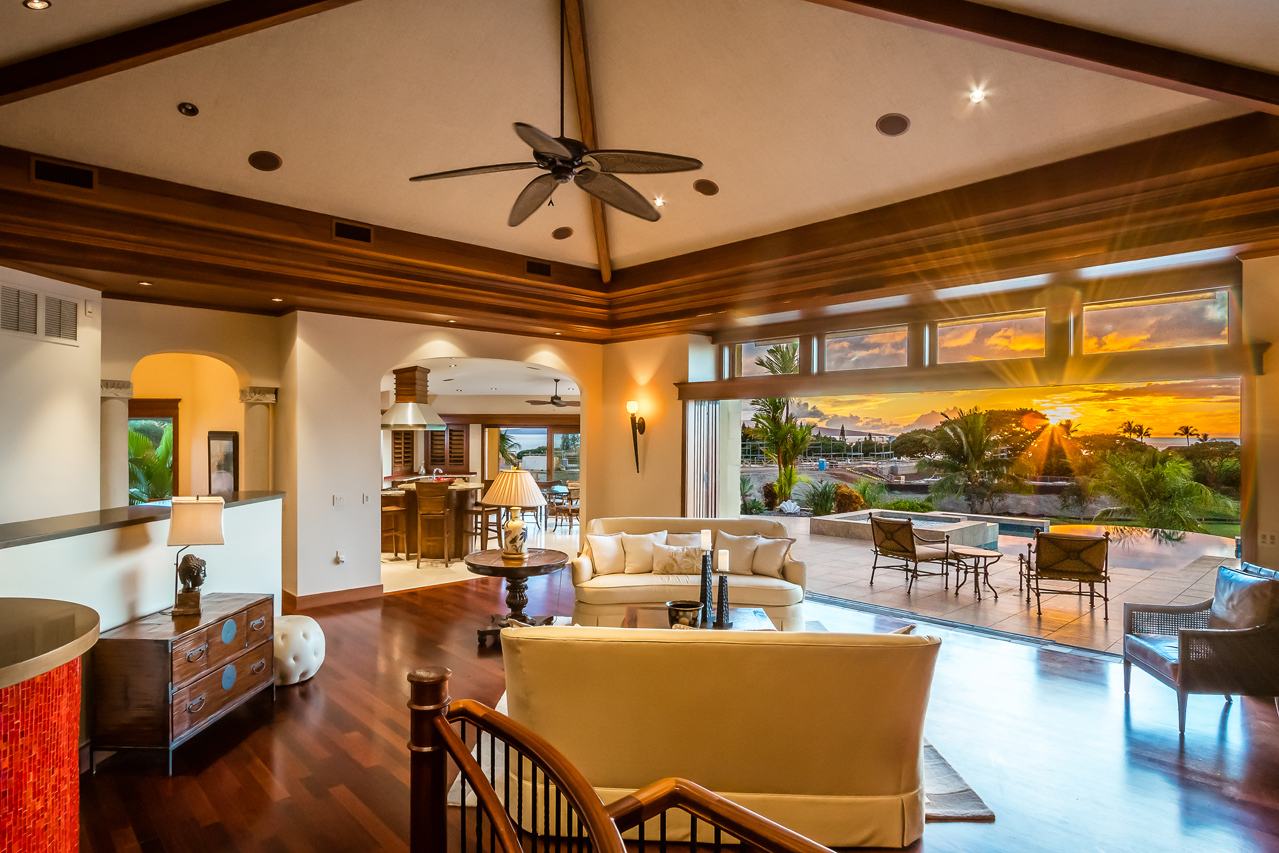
column 150, row 42
column 575, row 24
column 1158, row 66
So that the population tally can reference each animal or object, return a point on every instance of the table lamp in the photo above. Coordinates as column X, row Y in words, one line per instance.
column 516, row 489
column 194, row 521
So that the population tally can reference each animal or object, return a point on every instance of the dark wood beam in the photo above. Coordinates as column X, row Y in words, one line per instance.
column 579, row 59
column 159, row 40
column 1082, row 48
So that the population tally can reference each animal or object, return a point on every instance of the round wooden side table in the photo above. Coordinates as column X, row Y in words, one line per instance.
column 538, row 561
column 40, row 646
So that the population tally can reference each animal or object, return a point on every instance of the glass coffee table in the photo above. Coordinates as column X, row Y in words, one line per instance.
column 654, row 616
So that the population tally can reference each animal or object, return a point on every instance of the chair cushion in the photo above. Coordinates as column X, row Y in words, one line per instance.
column 1157, row 654
column 770, row 557
column 1240, row 600
column 743, row 590
column 677, row 560
column 928, row 552
column 639, row 550
column 607, row 556
column 741, row 552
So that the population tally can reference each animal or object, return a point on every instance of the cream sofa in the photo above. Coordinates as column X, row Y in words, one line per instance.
column 821, row 733
column 603, row 599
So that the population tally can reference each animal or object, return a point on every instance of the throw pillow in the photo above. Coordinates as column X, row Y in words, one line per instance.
column 1240, row 601
column 684, row 540
column 770, row 557
column 607, row 557
column 639, row 550
column 676, row 559
column 741, row 552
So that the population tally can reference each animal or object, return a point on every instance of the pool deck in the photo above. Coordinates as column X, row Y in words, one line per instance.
column 1142, row 570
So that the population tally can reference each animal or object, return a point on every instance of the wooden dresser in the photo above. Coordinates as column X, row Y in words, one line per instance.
column 158, row 681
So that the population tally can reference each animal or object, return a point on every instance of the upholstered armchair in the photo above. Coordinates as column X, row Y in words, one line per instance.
column 1070, row 558
column 902, row 549
column 1227, row 644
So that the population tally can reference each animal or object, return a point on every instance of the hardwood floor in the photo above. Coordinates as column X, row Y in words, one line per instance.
column 1042, row 734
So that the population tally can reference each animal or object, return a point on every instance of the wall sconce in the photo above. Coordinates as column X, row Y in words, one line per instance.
column 637, row 429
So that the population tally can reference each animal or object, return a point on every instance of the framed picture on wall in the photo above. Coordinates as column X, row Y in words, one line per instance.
column 224, row 462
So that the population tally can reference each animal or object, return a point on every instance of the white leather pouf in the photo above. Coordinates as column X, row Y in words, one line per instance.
column 299, row 648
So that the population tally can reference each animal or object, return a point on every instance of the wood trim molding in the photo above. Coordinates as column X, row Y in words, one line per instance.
column 1079, row 47
column 295, row 603
column 574, row 22
column 492, row 421
column 132, row 48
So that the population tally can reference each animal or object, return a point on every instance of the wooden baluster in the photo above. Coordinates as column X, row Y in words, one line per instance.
column 661, row 841
column 428, row 791
column 692, row 833
column 641, row 835
column 461, row 820
column 493, row 784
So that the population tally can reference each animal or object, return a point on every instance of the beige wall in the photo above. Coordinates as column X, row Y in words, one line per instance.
column 209, row 394
column 1260, row 415
column 50, row 413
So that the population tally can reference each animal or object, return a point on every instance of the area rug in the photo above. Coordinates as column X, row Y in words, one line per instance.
column 947, row 797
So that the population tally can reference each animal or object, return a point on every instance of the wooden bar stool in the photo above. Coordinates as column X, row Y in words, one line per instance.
column 433, row 509
column 398, row 516
column 481, row 519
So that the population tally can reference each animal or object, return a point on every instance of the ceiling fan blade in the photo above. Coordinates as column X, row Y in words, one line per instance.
column 639, row 162
column 616, row 192
column 477, row 170
column 542, row 142
column 531, row 198
column 557, row 402
column 571, row 403
column 539, row 402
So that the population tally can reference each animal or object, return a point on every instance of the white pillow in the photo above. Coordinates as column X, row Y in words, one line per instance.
column 741, row 552
column 607, row 556
column 770, row 557
column 639, row 550
column 676, row 559
column 684, row 539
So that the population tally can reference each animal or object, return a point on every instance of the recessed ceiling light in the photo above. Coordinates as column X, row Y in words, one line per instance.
column 36, row 4
column 188, row 109
column 452, row 321
column 892, row 124
column 977, row 95
column 492, row 389
column 276, row 299
column 145, row 283
column 265, row 161
column 658, row 201
column 705, row 187
column 559, row 333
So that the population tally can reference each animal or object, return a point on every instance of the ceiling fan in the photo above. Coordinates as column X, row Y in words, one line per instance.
column 556, row 399
column 566, row 159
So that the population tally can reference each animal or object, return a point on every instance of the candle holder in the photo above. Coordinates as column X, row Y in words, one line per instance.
column 707, row 600
column 721, row 606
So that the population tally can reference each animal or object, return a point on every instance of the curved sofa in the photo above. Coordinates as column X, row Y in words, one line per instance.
column 603, row 599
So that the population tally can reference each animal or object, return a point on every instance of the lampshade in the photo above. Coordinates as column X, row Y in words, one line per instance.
column 196, row 521
column 514, row 488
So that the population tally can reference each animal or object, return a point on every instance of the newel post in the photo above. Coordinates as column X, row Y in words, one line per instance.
column 428, row 699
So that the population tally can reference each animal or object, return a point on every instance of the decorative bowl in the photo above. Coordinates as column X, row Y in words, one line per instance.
column 686, row 613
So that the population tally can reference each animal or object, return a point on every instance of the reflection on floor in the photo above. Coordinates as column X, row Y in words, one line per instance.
column 399, row 574
column 1143, row 570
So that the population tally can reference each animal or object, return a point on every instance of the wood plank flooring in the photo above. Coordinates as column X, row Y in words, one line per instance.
column 1044, row 735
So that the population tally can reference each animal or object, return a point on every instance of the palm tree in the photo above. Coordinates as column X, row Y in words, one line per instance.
column 1187, row 431
column 1204, row 438
column 1158, row 490
column 150, row 466
column 783, row 440
column 1127, row 427
column 1141, row 432
column 508, row 449
column 967, row 457
column 780, row 359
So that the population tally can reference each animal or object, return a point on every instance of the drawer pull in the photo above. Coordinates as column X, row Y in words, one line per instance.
column 258, row 624
column 196, row 704
column 258, row 667
column 195, row 654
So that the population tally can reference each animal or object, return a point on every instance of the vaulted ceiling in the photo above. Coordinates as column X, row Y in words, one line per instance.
column 779, row 98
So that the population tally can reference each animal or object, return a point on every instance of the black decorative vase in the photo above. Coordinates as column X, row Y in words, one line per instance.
column 721, row 606
column 707, row 601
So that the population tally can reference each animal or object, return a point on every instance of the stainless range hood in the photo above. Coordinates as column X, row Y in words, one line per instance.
column 409, row 411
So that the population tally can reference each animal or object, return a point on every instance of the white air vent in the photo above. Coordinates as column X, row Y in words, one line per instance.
column 60, row 318
column 17, row 310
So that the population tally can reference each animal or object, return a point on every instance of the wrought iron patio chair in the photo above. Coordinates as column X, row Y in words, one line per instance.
column 896, row 541
column 1066, row 557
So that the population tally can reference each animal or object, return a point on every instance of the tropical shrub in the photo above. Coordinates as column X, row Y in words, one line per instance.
column 770, row 496
column 909, row 505
column 150, row 463
column 819, row 497
column 967, row 458
column 1157, row 489
column 747, row 490
column 753, row 506
column 847, row 499
column 873, row 493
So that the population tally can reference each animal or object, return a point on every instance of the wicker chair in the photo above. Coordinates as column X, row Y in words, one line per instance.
column 896, row 541
column 1068, row 557
column 1227, row 644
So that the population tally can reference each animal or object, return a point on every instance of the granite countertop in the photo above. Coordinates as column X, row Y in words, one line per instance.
column 61, row 526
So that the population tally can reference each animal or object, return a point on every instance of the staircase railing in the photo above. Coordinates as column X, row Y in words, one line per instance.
column 541, row 800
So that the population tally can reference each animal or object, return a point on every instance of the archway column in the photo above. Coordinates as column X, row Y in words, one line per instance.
column 116, row 394
column 255, row 466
